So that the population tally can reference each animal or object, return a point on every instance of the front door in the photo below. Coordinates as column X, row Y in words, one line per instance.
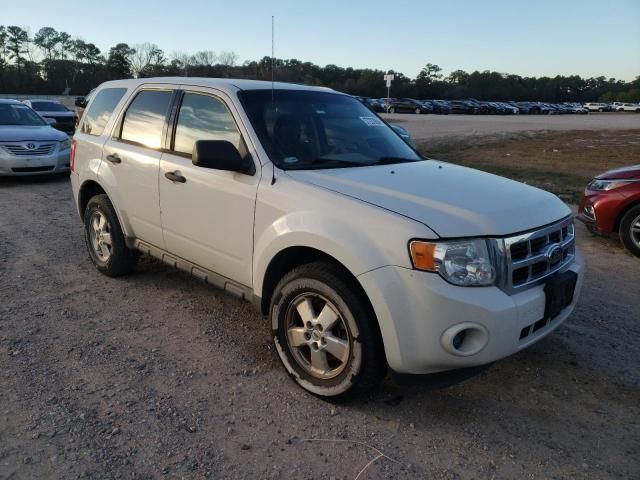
column 207, row 215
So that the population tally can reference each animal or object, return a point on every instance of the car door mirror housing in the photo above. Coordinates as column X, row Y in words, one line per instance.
column 221, row 155
column 50, row 121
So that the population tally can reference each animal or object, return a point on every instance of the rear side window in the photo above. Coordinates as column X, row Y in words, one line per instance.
column 98, row 114
column 203, row 117
column 144, row 119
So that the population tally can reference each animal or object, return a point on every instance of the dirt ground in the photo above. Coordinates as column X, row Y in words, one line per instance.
column 157, row 375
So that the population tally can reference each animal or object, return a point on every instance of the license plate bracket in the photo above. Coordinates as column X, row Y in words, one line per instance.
column 559, row 291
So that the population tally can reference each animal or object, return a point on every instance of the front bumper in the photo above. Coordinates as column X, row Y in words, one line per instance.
column 599, row 210
column 418, row 311
column 55, row 162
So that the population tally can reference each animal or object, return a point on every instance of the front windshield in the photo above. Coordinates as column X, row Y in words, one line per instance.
column 43, row 106
column 309, row 130
column 18, row 114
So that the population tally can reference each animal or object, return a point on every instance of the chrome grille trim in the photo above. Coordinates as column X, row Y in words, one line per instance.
column 21, row 150
column 534, row 266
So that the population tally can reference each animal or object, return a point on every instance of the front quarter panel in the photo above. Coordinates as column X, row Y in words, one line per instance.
column 361, row 236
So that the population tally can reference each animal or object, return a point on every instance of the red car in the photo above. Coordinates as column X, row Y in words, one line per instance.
column 611, row 203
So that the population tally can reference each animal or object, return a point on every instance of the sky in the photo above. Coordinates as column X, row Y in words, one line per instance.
column 525, row 37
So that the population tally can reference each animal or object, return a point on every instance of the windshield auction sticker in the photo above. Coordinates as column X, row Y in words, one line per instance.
column 372, row 121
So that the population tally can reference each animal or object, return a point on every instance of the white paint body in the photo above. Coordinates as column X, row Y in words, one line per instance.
column 235, row 224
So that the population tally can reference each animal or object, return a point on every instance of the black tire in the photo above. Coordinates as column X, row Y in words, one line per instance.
column 120, row 259
column 365, row 365
column 630, row 238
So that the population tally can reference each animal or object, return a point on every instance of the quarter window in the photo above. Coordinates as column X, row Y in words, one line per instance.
column 98, row 114
column 203, row 117
column 144, row 119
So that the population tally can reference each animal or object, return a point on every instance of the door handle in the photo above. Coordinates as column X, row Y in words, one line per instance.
column 114, row 158
column 175, row 177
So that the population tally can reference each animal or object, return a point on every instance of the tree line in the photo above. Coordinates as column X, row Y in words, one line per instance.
column 53, row 62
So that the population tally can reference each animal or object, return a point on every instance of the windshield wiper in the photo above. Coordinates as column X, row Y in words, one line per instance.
column 392, row 160
column 329, row 161
column 324, row 163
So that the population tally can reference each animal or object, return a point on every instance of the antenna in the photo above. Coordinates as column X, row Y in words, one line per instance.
column 273, row 165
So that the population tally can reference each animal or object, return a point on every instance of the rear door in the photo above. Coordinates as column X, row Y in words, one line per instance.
column 207, row 216
column 131, row 161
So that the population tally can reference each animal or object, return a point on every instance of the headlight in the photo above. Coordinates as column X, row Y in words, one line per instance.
column 65, row 144
column 460, row 262
column 606, row 185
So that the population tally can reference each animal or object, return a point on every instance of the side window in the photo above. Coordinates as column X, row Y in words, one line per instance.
column 203, row 117
column 145, row 117
column 96, row 118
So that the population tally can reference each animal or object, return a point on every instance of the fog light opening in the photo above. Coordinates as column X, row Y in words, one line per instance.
column 465, row 339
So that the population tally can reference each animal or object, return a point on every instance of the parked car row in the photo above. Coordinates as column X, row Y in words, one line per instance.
column 474, row 106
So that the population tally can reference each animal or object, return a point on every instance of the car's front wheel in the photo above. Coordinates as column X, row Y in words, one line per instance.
column 105, row 240
column 630, row 230
column 325, row 332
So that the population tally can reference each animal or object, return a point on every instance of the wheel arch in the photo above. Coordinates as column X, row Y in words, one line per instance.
column 294, row 256
column 89, row 189
column 634, row 203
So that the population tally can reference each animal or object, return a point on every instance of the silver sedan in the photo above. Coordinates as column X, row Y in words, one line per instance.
column 29, row 145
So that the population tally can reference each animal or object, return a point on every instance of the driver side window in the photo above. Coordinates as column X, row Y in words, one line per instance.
column 203, row 117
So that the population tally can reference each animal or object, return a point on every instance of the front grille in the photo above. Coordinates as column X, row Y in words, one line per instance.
column 533, row 256
column 30, row 149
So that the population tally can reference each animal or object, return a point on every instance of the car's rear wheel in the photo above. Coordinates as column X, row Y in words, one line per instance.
column 630, row 230
column 105, row 240
column 325, row 332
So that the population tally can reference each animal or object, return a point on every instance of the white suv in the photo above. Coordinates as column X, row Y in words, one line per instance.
column 626, row 107
column 598, row 107
column 365, row 256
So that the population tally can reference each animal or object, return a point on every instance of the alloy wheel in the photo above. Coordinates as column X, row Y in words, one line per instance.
column 100, row 236
column 317, row 336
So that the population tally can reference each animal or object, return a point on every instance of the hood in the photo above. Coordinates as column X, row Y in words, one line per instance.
column 17, row 133
column 623, row 173
column 451, row 200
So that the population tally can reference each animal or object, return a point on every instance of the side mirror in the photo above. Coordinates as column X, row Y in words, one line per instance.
column 221, row 155
column 81, row 102
column 50, row 121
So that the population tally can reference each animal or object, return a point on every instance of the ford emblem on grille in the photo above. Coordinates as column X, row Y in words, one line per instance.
column 31, row 146
column 554, row 254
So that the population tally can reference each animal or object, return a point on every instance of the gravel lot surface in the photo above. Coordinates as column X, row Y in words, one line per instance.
column 429, row 127
column 159, row 376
